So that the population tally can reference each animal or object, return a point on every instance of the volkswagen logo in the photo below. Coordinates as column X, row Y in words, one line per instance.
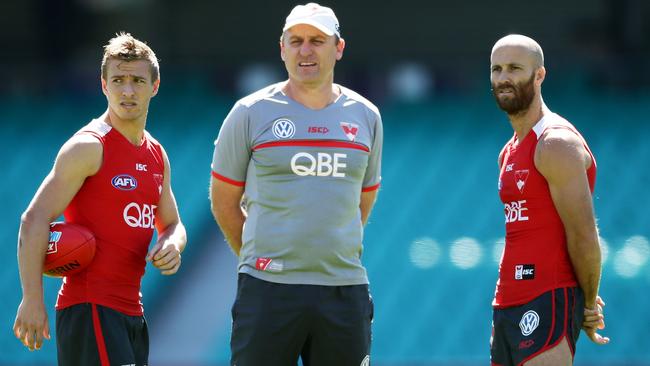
column 283, row 128
column 529, row 322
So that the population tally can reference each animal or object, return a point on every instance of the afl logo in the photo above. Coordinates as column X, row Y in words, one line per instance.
column 124, row 182
column 283, row 128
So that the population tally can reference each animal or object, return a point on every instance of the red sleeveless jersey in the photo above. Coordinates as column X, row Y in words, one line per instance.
column 535, row 257
column 117, row 205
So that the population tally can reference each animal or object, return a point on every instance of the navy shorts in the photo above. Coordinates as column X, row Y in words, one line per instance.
column 275, row 324
column 89, row 335
column 522, row 332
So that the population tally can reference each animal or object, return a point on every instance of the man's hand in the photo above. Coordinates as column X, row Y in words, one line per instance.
column 31, row 324
column 594, row 320
column 165, row 256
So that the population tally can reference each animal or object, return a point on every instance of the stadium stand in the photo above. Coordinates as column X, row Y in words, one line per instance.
column 431, row 247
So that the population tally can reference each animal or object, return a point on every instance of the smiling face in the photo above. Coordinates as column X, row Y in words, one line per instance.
column 129, row 87
column 309, row 55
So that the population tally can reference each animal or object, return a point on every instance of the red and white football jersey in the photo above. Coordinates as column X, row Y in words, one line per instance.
column 535, row 258
column 118, row 206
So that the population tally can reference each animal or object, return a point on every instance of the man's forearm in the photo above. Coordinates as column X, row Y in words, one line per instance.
column 175, row 233
column 586, row 259
column 32, row 245
column 231, row 222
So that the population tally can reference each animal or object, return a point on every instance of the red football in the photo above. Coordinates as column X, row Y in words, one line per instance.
column 70, row 249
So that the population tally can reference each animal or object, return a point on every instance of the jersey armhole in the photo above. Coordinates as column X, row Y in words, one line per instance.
column 93, row 134
column 99, row 138
column 582, row 139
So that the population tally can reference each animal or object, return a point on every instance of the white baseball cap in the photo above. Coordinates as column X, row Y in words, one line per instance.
column 315, row 15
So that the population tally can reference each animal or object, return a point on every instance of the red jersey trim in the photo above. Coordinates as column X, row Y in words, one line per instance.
column 92, row 133
column 318, row 143
column 228, row 180
column 99, row 337
column 371, row 188
column 563, row 335
column 550, row 332
column 529, row 298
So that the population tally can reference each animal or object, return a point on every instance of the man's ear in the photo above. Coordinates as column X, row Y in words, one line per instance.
column 281, row 50
column 156, row 85
column 339, row 49
column 540, row 75
column 104, row 90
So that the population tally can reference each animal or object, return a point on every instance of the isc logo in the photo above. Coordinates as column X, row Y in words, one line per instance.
column 124, row 182
column 524, row 272
column 315, row 129
column 142, row 217
column 515, row 211
column 321, row 165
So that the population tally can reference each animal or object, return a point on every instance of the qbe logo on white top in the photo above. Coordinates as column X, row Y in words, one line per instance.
column 321, row 165
column 142, row 217
column 283, row 128
column 529, row 322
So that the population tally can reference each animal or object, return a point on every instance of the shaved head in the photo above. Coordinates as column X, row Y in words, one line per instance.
column 533, row 49
column 516, row 72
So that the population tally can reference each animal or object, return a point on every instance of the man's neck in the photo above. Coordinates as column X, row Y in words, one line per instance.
column 312, row 98
column 132, row 130
column 524, row 121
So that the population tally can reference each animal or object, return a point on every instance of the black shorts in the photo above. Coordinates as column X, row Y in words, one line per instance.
column 520, row 333
column 275, row 324
column 89, row 334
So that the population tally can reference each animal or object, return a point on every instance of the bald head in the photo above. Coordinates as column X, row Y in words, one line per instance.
column 532, row 49
column 517, row 73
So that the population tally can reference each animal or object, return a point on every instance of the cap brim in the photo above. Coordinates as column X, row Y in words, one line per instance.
column 313, row 23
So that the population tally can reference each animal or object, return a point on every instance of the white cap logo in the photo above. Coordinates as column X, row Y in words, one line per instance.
column 315, row 15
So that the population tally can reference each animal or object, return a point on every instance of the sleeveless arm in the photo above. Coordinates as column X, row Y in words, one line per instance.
column 79, row 158
column 561, row 157
column 172, row 237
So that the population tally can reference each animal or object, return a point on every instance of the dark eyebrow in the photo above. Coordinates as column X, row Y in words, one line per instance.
column 318, row 37
column 506, row 65
column 135, row 77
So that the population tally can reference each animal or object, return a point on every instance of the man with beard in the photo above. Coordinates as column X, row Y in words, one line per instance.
column 550, row 270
